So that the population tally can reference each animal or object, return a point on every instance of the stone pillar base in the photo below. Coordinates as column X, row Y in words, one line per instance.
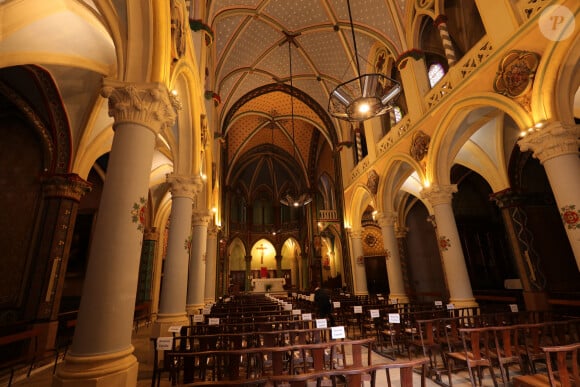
column 112, row 369
column 209, row 301
column 164, row 321
column 464, row 302
column 536, row 301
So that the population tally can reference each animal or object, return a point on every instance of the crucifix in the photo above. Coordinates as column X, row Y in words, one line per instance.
column 262, row 248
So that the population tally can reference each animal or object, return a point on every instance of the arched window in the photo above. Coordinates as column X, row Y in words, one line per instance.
column 436, row 72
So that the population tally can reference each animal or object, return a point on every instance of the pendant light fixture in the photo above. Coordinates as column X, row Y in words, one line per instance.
column 364, row 97
column 289, row 199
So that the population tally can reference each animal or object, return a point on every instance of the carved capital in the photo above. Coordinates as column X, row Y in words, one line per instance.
column 69, row 186
column 200, row 218
column 437, row 194
column 553, row 140
column 507, row 198
column 386, row 219
column 355, row 234
column 148, row 104
column 184, row 186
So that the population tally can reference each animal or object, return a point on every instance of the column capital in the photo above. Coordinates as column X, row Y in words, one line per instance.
column 146, row 104
column 401, row 232
column 553, row 140
column 212, row 231
column 66, row 185
column 199, row 218
column 386, row 219
column 439, row 194
column 184, row 186
column 507, row 198
column 354, row 234
column 151, row 234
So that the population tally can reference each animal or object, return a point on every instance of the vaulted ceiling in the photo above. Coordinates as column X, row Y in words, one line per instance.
column 254, row 40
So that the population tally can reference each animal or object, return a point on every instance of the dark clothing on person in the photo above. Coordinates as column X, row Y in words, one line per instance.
column 323, row 304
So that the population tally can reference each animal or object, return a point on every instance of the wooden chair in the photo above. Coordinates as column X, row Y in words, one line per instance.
column 476, row 354
column 507, row 350
column 562, row 369
column 406, row 368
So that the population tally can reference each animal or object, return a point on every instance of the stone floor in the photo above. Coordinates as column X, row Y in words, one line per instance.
column 42, row 375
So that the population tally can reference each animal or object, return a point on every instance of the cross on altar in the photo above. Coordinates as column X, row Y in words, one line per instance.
column 262, row 248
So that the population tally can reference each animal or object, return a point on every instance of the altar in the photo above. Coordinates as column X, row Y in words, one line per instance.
column 268, row 285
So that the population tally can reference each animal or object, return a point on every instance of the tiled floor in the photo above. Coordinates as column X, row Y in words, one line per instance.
column 42, row 376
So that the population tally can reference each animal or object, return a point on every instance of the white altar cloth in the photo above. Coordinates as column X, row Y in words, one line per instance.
column 259, row 284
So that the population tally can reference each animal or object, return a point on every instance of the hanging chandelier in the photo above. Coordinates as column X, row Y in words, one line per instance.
column 364, row 97
column 290, row 199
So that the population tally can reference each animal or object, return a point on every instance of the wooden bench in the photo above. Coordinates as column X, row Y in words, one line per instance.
column 24, row 346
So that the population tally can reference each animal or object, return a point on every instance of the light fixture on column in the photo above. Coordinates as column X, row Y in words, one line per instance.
column 291, row 199
column 364, row 97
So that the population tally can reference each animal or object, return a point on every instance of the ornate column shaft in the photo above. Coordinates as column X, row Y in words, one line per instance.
column 101, row 352
column 401, row 235
column 441, row 24
column 210, row 265
column 62, row 193
column 454, row 266
column 394, row 270
column 248, row 260
column 278, row 266
column 172, row 306
column 556, row 146
column 148, row 278
column 525, row 256
column 359, row 274
column 197, row 263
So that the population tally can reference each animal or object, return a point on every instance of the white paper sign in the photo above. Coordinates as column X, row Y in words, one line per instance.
column 296, row 312
column 164, row 343
column 514, row 308
column 337, row 332
column 214, row 321
column 336, row 304
column 288, row 307
column 358, row 309
column 393, row 301
column 438, row 303
column 206, row 311
column 375, row 313
column 174, row 329
column 394, row 318
column 380, row 298
column 198, row 318
column 306, row 316
column 321, row 323
column 450, row 306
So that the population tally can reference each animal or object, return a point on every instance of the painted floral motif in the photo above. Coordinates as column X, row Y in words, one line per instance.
column 138, row 213
column 187, row 245
column 444, row 243
column 571, row 216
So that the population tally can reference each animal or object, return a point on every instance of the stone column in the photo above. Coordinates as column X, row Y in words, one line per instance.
column 148, row 253
column 454, row 266
column 248, row 273
column 401, row 235
column 172, row 310
column 197, row 262
column 441, row 24
column 210, row 265
column 101, row 353
column 305, row 271
column 521, row 243
column 358, row 265
column 394, row 272
column 62, row 194
column 279, row 266
column 556, row 146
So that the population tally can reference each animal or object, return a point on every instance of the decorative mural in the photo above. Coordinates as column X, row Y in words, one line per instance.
column 138, row 213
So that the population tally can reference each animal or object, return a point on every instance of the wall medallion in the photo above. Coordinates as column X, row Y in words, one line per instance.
column 419, row 145
column 516, row 73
